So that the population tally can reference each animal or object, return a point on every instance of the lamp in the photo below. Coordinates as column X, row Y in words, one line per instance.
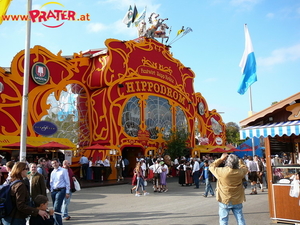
column 270, row 118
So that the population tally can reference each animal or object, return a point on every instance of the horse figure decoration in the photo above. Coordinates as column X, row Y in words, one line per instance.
column 161, row 33
column 156, row 23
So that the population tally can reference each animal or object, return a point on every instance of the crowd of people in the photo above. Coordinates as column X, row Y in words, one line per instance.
column 29, row 184
column 195, row 171
column 39, row 178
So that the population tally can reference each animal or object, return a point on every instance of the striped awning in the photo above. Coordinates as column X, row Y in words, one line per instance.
column 272, row 129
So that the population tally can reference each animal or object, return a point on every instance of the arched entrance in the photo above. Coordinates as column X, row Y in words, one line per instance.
column 132, row 153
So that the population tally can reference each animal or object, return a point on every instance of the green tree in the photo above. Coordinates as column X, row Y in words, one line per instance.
column 233, row 133
column 176, row 143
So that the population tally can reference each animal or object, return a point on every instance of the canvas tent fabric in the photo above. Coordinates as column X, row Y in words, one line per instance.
column 246, row 148
column 271, row 129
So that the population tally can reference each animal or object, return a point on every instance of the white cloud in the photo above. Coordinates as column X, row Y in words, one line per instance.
column 244, row 4
column 96, row 27
column 36, row 6
column 270, row 15
column 281, row 55
column 119, row 27
column 124, row 4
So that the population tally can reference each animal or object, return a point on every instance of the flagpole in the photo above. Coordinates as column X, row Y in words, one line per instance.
column 24, row 118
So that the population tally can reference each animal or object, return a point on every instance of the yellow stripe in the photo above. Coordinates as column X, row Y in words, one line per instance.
column 4, row 4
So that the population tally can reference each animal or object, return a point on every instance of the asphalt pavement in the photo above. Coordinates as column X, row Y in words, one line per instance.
column 114, row 204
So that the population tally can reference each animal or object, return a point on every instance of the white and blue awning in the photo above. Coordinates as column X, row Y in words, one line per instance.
column 272, row 129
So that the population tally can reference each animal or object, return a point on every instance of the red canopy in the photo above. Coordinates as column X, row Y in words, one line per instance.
column 18, row 145
column 54, row 145
column 97, row 147
column 243, row 150
column 218, row 150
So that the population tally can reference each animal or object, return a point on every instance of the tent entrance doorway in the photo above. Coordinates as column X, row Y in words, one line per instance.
column 131, row 153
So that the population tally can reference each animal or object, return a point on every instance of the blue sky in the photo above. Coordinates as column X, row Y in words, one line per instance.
column 213, row 50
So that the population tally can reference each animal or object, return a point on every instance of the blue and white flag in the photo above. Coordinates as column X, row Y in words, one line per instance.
column 248, row 65
column 140, row 17
column 128, row 17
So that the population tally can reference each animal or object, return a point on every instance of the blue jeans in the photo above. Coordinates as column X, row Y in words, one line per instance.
column 208, row 187
column 64, row 207
column 237, row 212
column 196, row 176
column 16, row 221
column 140, row 182
column 57, row 199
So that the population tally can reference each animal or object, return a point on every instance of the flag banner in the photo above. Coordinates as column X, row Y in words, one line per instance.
column 4, row 4
column 180, row 31
column 187, row 30
column 140, row 17
column 134, row 14
column 248, row 65
column 128, row 17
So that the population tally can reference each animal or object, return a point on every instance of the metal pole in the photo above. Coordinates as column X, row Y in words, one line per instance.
column 250, row 100
column 24, row 118
column 253, row 147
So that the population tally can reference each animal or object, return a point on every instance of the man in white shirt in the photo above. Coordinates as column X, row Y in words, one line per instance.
column 196, row 172
column 156, row 168
column 59, row 187
column 84, row 161
column 253, row 169
column 107, row 167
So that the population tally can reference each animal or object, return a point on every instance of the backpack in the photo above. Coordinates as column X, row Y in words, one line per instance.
column 6, row 205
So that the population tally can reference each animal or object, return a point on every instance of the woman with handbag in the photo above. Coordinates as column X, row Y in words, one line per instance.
column 140, row 180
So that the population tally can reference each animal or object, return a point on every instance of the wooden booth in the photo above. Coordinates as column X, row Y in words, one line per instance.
column 279, row 124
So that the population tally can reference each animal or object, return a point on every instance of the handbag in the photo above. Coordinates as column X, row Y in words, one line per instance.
column 145, row 183
column 77, row 185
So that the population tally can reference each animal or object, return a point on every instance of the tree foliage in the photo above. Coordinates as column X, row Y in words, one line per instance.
column 233, row 133
column 176, row 143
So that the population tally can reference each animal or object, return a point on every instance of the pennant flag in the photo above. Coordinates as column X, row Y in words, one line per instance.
column 180, row 31
column 187, row 30
column 128, row 17
column 4, row 4
column 248, row 65
column 135, row 12
column 140, row 17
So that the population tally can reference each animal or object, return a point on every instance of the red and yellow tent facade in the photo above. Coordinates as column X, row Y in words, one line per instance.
column 130, row 94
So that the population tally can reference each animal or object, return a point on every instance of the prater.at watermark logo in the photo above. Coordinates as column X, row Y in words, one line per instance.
column 58, row 15
column 52, row 18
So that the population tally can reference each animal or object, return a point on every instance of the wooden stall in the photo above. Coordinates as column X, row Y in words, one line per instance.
column 280, row 126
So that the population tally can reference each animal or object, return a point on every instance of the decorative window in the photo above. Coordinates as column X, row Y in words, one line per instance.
column 181, row 121
column 131, row 117
column 158, row 116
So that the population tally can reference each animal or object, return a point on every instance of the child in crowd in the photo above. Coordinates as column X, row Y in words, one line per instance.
column 206, row 177
column 41, row 203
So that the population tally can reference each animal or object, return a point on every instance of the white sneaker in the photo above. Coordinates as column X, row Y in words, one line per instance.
column 146, row 193
column 137, row 195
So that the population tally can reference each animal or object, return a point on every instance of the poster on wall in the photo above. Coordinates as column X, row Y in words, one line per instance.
column 68, row 156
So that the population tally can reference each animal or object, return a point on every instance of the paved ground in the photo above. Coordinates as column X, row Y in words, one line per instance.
column 114, row 204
